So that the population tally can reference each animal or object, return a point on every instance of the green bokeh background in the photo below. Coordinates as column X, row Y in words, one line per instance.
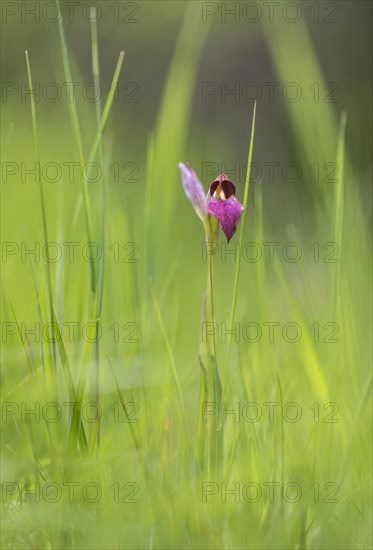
column 171, row 53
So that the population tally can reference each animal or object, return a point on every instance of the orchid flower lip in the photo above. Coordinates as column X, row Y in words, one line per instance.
column 228, row 212
column 222, row 204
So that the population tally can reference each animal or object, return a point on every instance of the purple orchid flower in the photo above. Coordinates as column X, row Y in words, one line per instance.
column 194, row 190
column 224, row 205
column 220, row 201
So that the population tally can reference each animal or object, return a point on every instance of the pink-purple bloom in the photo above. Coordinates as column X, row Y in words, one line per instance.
column 220, row 201
column 194, row 190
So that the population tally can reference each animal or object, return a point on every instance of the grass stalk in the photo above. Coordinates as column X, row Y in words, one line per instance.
column 175, row 375
column 242, row 226
column 102, row 126
column 99, row 295
column 78, row 142
column 106, row 110
column 339, row 203
column 42, row 202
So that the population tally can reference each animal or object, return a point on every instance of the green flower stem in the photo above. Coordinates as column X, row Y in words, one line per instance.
column 209, row 435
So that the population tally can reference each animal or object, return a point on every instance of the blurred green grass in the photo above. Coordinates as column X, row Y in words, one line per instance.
column 156, row 453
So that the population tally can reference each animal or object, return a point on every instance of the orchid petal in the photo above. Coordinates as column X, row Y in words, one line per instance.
column 194, row 190
column 228, row 212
